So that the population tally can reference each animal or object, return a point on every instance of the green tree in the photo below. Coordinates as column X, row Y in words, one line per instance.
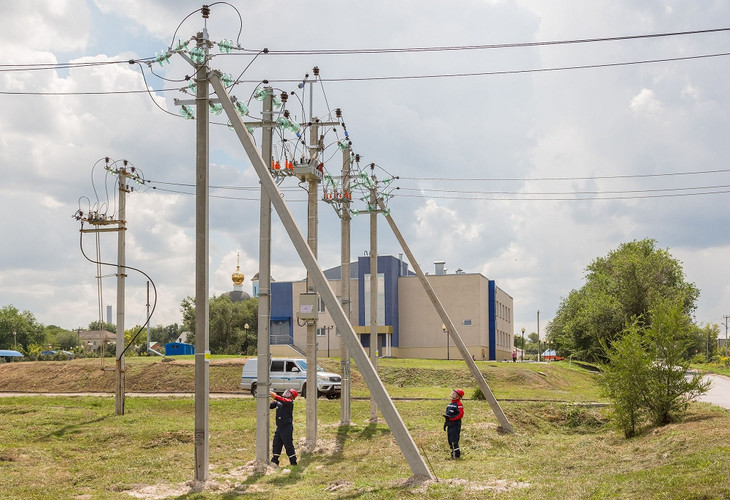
column 625, row 379
column 704, row 343
column 64, row 339
column 98, row 325
column 19, row 328
column 227, row 321
column 187, row 308
column 669, row 336
column 619, row 287
column 165, row 334
column 136, row 338
column 646, row 374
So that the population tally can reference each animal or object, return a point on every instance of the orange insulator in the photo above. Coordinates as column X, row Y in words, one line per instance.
column 289, row 165
column 275, row 165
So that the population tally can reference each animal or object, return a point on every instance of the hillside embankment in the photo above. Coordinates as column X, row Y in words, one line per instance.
column 402, row 377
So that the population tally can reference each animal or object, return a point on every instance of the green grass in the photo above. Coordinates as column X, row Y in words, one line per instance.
column 76, row 447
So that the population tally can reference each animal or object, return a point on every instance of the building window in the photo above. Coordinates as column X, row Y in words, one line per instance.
column 321, row 332
column 320, row 304
column 467, row 322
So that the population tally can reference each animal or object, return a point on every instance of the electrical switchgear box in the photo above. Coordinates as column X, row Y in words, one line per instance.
column 308, row 309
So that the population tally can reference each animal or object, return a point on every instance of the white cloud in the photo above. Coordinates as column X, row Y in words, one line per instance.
column 646, row 103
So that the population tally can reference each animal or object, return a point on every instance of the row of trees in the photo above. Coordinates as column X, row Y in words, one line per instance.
column 233, row 330
column 19, row 330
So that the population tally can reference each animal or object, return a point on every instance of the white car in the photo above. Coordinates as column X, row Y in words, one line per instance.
column 290, row 373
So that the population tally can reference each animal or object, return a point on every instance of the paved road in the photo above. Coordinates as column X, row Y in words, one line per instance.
column 719, row 393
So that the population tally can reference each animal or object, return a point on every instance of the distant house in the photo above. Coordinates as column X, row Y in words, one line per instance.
column 92, row 340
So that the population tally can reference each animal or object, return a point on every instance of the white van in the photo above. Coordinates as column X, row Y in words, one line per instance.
column 290, row 373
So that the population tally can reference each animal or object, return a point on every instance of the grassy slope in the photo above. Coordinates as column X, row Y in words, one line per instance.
column 404, row 378
column 66, row 447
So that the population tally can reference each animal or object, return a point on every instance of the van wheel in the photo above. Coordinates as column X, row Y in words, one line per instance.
column 253, row 389
column 304, row 390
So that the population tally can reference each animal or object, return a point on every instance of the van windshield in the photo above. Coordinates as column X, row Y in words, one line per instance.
column 303, row 365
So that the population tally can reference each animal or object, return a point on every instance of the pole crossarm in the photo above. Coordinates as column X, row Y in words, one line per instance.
column 390, row 413
column 505, row 426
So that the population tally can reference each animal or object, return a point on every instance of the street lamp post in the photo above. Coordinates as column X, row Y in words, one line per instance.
column 245, row 329
column 328, row 340
column 448, row 356
column 15, row 340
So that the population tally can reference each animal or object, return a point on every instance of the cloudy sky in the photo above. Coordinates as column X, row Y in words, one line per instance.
column 533, row 161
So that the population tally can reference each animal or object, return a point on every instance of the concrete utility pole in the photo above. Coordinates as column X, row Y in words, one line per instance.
column 726, row 318
column 202, row 229
column 121, row 263
column 373, row 291
column 392, row 417
column 263, row 347
column 538, row 335
column 312, row 195
column 345, row 413
column 147, row 346
column 505, row 426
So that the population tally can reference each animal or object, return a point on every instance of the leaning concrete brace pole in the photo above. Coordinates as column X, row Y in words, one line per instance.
column 505, row 426
column 202, row 221
column 311, row 432
column 375, row 385
column 264, row 324
column 345, row 407
column 121, row 275
column 373, row 294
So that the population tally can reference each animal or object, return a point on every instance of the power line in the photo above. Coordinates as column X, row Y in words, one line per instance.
column 247, row 52
column 399, row 77
column 523, row 193
column 594, row 198
column 586, row 178
column 487, row 46
column 500, row 195
column 516, row 71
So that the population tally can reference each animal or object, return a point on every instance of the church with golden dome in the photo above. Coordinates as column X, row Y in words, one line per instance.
column 237, row 294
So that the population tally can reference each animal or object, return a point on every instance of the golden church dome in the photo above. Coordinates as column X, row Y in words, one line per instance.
column 238, row 276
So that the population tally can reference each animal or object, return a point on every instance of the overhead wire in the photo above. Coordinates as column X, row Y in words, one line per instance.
column 567, row 178
column 396, row 77
column 492, row 46
column 99, row 263
column 632, row 197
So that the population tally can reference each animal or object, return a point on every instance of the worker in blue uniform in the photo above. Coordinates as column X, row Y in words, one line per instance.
column 284, row 434
column 452, row 422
